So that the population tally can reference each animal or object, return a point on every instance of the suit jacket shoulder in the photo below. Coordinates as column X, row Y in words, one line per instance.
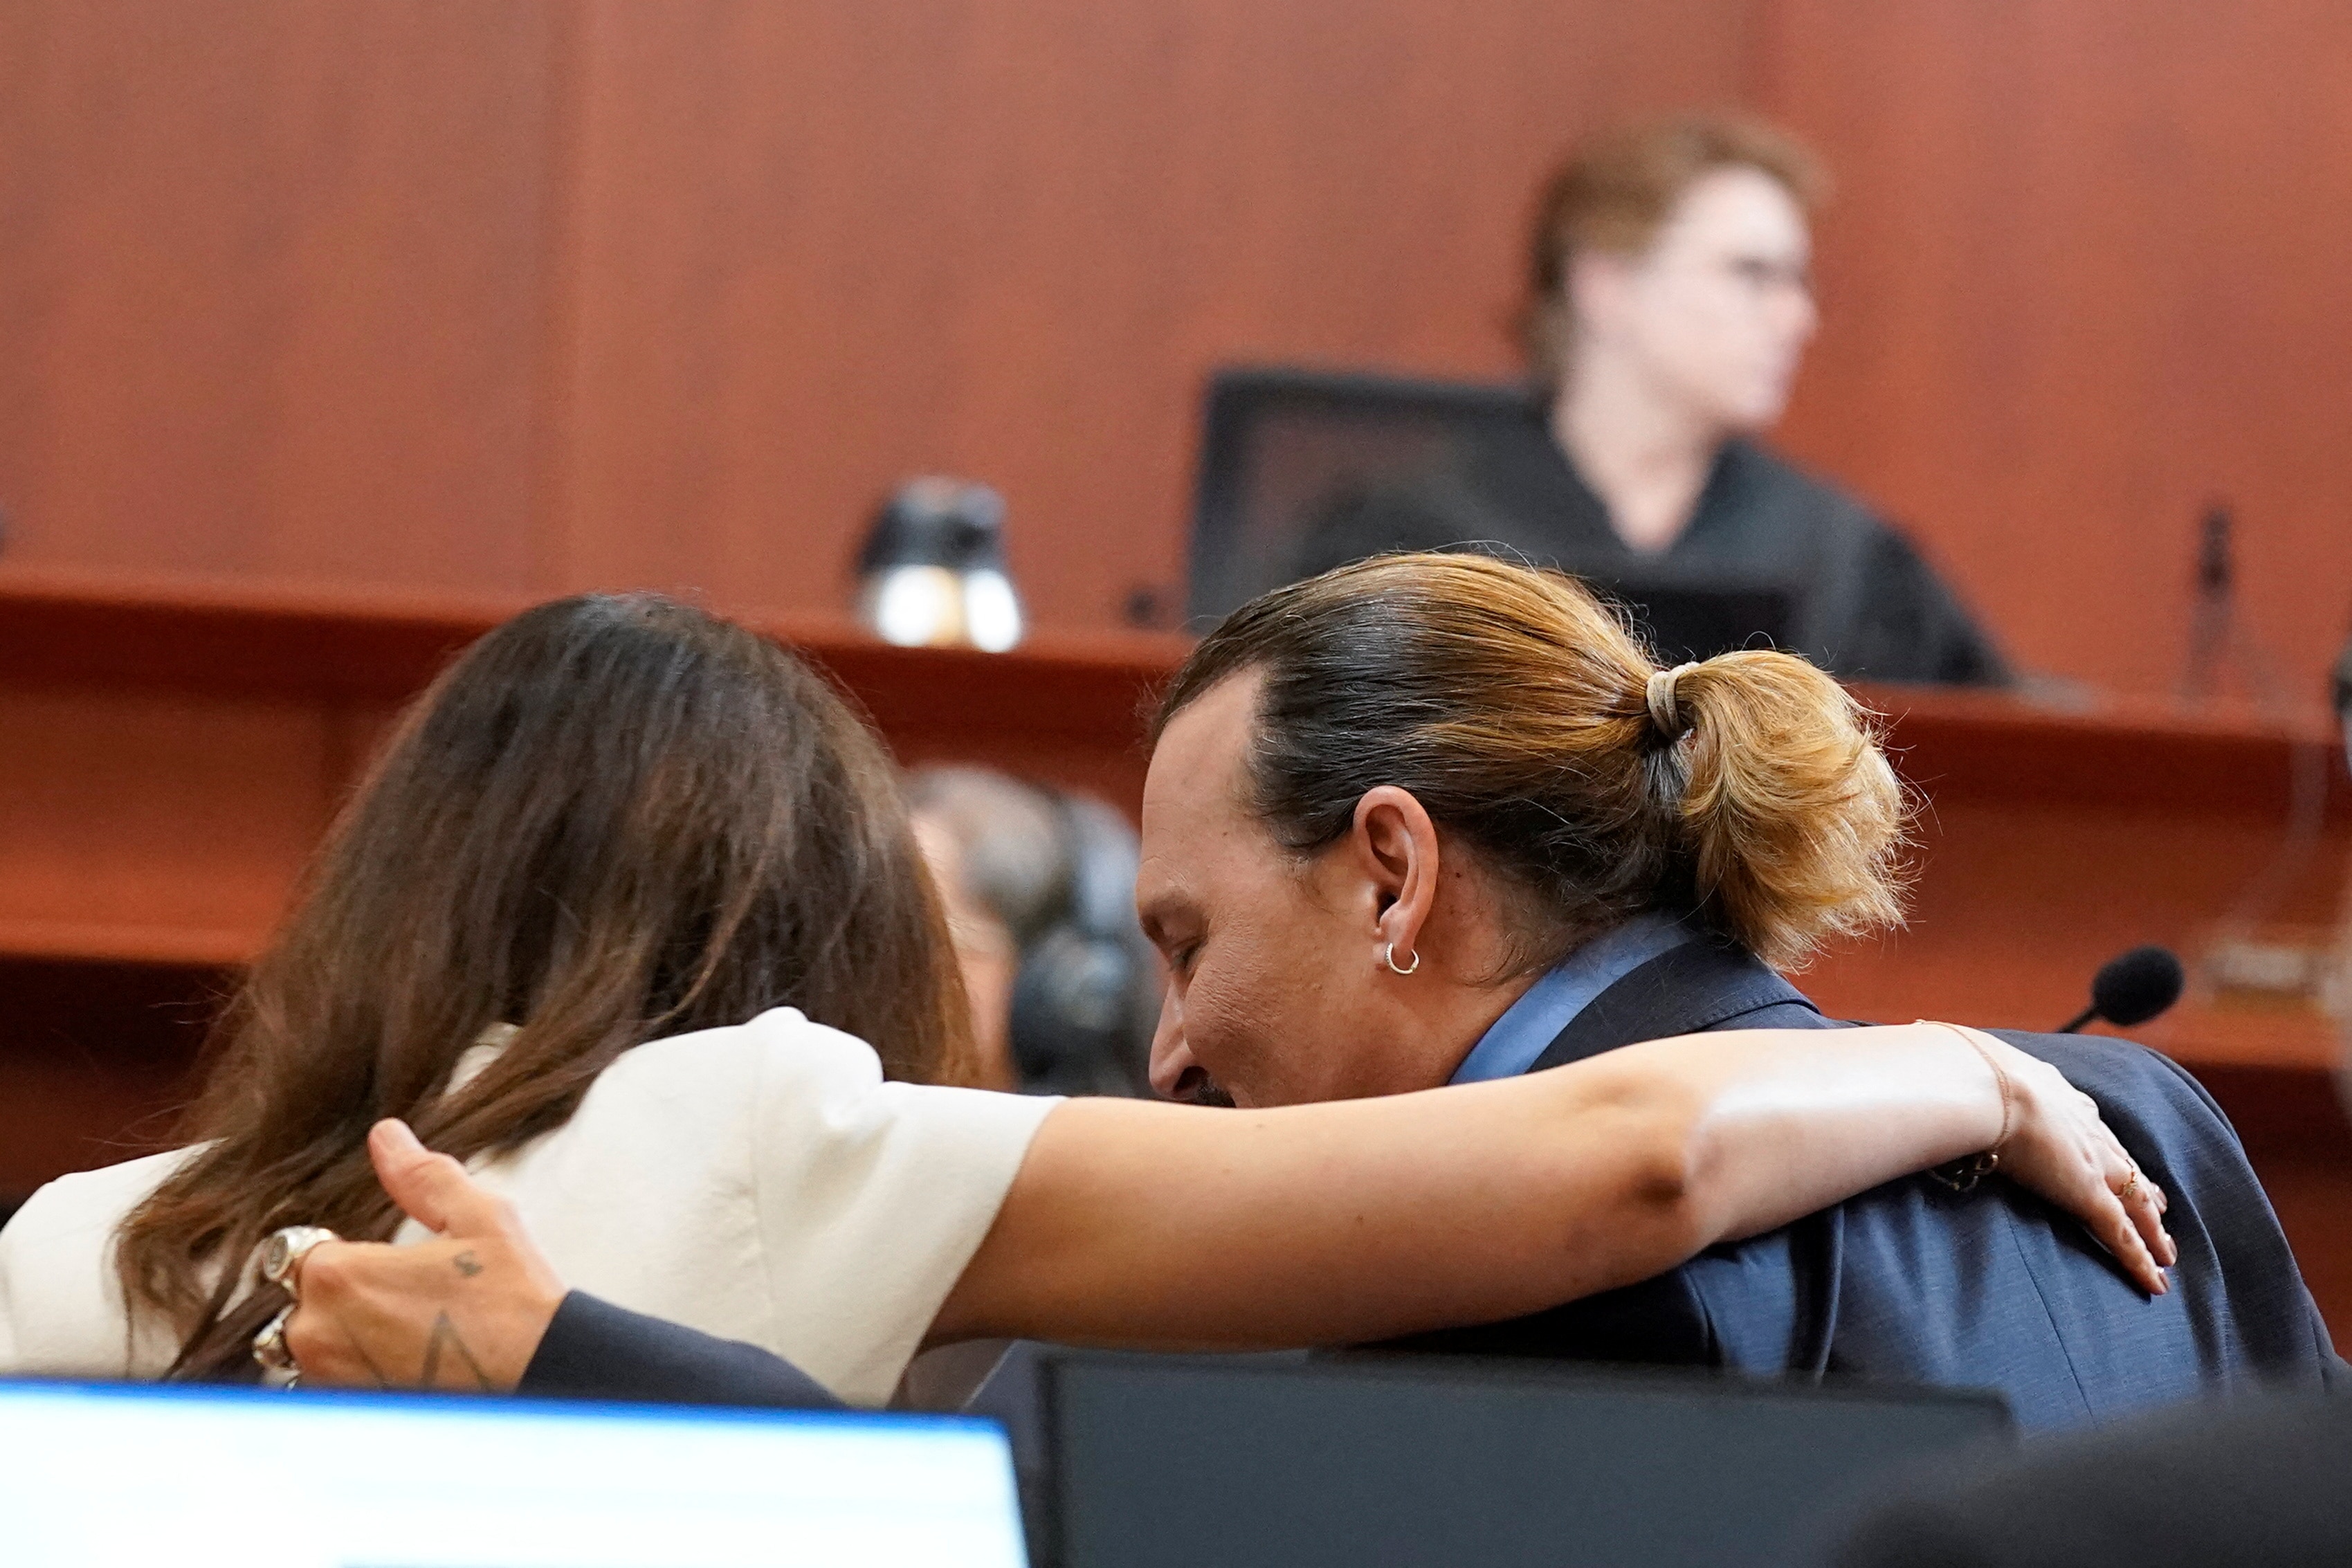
column 2237, row 1269
column 1914, row 1282
column 1702, row 984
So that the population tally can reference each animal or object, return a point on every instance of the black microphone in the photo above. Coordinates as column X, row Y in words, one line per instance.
column 2131, row 989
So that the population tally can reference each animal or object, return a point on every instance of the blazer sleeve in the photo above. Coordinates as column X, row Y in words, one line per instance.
column 2173, row 1125
column 1913, row 625
column 594, row 1350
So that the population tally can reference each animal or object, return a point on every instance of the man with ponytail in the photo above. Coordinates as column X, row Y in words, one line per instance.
column 1449, row 804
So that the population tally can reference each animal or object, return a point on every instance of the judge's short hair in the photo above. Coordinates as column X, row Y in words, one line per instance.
column 1615, row 193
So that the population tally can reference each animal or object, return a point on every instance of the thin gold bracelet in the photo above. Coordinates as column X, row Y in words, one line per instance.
column 1963, row 1175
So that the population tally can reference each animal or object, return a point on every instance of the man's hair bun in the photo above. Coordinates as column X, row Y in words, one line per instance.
column 1525, row 716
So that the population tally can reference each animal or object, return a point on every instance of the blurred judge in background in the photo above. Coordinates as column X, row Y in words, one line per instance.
column 1670, row 302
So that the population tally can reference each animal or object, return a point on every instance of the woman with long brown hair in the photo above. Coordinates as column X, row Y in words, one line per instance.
column 628, row 917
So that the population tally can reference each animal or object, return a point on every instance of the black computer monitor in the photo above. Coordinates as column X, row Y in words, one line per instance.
column 1395, row 1460
column 1280, row 447
column 1694, row 617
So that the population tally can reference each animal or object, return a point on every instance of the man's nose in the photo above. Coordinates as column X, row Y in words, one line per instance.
column 1172, row 1057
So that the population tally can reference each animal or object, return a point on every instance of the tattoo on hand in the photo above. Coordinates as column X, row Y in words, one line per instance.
column 468, row 1264
column 368, row 1362
column 444, row 1333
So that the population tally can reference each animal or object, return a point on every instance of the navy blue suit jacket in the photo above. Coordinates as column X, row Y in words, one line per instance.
column 1991, row 1289
column 594, row 1349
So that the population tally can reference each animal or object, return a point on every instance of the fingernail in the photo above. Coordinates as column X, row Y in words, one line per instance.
column 393, row 1135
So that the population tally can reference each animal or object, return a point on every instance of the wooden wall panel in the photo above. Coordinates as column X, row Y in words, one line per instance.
column 155, row 825
column 822, row 245
column 2083, row 274
column 2039, row 894
column 563, row 292
column 95, row 1060
column 272, row 288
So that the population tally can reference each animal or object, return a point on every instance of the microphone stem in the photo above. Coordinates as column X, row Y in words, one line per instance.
column 2075, row 1025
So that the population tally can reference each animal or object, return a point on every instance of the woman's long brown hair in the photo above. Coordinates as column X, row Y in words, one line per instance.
column 614, row 819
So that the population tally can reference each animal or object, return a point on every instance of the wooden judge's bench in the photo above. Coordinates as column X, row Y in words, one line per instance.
column 169, row 756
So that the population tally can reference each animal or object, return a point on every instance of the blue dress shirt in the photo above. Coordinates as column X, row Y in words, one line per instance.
column 1511, row 1045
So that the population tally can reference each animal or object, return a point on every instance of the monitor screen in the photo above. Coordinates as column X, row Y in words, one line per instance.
column 1698, row 619
column 96, row 1475
column 1404, row 1461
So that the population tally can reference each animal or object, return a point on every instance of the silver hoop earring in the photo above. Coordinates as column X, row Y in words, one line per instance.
column 1389, row 954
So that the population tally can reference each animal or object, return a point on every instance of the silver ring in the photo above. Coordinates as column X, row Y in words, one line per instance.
column 282, row 1254
column 269, row 1346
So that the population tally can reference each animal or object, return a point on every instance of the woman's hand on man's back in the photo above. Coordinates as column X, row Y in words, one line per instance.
column 2061, row 1149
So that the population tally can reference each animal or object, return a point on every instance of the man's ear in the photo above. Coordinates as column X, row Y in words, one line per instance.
column 1396, row 844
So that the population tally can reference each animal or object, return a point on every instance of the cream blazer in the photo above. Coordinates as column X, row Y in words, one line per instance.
column 760, row 1182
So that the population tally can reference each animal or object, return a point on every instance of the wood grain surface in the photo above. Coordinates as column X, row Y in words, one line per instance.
column 272, row 288
column 2080, row 280
column 597, row 292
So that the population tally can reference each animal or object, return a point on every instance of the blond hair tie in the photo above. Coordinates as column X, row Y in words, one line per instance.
column 1660, row 693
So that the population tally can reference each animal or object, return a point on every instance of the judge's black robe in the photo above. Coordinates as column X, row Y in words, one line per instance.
column 1866, row 605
